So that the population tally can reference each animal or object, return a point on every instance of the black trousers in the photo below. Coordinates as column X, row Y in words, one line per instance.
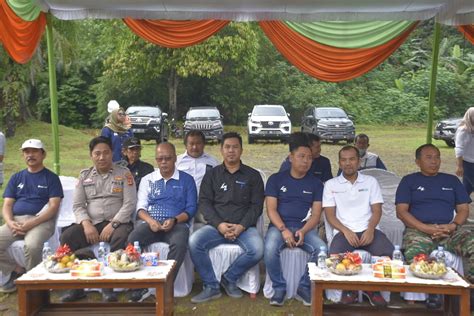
column 76, row 239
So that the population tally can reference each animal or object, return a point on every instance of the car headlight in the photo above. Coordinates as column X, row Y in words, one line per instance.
column 154, row 121
column 254, row 122
column 216, row 125
column 322, row 125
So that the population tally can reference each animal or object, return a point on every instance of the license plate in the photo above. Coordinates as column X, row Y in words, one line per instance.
column 138, row 130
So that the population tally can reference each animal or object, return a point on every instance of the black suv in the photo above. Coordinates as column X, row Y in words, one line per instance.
column 148, row 122
column 331, row 124
column 207, row 119
column 446, row 130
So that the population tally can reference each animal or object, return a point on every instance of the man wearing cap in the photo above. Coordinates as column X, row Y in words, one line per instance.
column 104, row 201
column 131, row 151
column 195, row 161
column 31, row 203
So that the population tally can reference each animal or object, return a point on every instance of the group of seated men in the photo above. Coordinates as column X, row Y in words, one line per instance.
column 229, row 197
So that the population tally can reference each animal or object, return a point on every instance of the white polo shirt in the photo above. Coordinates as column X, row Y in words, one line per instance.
column 196, row 167
column 352, row 201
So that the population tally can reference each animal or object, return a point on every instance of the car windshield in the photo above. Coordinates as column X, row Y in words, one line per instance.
column 144, row 111
column 268, row 111
column 331, row 113
column 203, row 113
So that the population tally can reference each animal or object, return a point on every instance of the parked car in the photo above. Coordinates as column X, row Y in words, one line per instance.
column 207, row 119
column 446, row 130
column 329, row 123
column 268, row 122
column 148, row 122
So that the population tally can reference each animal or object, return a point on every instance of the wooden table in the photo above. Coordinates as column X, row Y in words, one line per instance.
column 34, row 291
column 366, row 282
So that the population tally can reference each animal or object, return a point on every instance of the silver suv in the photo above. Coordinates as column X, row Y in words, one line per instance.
column 331, row 124
column 268, row 122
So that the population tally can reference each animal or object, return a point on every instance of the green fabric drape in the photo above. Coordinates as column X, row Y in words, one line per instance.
column 25, row 9
column 351, row 34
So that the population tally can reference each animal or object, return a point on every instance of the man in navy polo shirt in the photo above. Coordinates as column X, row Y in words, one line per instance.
column 320, row 166
column 167, row 201
column 434, row 206
column 289, row 196
column 31, row 203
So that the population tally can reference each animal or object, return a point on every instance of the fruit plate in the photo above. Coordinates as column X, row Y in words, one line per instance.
column 427, row 275
column 354, row 271
column 63, row 270
column 126, row 269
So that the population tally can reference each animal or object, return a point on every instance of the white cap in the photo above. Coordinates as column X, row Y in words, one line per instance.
column 112, row 105
column 32, row 143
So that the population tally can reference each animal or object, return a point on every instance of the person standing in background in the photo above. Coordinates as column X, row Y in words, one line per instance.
column 464, row 150
column 117, row 131
column 2, row 155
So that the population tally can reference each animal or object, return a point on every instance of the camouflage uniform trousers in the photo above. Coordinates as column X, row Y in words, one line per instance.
column 461, row 243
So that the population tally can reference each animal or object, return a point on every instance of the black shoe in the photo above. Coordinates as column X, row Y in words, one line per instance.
column 434, row 301
column 73, row 295
column 136, row 295
column 109, row 295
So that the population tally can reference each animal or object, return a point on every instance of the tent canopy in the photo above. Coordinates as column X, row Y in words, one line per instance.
column 452, row 12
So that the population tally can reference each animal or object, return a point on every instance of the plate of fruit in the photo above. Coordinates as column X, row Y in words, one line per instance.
column 127, row 260
column 348, row 263
column 61, row 261
column 427, row 267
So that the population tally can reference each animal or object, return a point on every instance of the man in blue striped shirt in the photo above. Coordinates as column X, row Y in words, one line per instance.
column 167, row 201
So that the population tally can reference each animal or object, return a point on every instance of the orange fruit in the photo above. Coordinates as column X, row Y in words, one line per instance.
column 346, row 262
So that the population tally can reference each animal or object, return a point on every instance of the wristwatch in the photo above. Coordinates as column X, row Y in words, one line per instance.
column 115, row 225
column 175, row 220
column 457, row 225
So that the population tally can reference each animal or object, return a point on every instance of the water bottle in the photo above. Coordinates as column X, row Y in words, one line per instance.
column 46, row 251
column 440, row 255
column 136, row 245
column 322, row 258
column 102, row 253
column 397, row 254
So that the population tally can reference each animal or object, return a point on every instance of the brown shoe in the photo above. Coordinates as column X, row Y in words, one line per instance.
column 349, row 297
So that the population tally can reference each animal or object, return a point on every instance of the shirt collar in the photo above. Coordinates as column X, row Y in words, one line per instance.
column 95, row 172
column 204, row 155
column 360, row 178
column 174, row 176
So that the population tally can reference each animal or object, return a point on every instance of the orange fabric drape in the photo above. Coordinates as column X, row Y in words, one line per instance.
column 175, row 34
column 325, row 62
column 20, row 38
column 468, row 31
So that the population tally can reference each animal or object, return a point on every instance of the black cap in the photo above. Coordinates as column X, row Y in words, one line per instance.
column 131, row 142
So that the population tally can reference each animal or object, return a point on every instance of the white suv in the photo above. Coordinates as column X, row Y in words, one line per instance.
column 269, row 122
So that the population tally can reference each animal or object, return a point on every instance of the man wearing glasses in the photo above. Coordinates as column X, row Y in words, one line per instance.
column 167, row 201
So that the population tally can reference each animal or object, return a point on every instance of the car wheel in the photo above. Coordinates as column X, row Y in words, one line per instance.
column 302, row 129
column 350, row 141
column 251, row 140
column 450, row 143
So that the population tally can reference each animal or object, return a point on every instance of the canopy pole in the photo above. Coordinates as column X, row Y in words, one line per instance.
column 53, row 93
column 434, row 74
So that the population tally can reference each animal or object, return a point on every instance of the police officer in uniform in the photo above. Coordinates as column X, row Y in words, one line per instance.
column 104, row 201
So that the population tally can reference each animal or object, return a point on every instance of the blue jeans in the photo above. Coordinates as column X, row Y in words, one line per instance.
column 274, row 244
column 468, row 177
column 209, row 237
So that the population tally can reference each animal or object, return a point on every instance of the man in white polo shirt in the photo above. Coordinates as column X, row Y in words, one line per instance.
column 352, row 203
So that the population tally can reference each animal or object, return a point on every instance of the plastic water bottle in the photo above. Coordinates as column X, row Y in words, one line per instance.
column 136, row 245
column 440, row 255
column 397, row 254
column 322, row 256
column 102, row 253
column 46, row 251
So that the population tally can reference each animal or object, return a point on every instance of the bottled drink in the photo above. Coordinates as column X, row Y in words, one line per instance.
column 136, row 245
column 440, row 255
column 102, row 253
column 397, row 254
column 46, row 251
column 322, row 258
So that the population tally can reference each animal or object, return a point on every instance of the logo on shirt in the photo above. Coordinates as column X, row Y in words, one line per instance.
column 241, row 183
column 20, row 186
column 363, row 190
column 283, row 189
column 42, row 186
column 446, row 189
column 224, row 187
column 307, row 192
column 420, row 188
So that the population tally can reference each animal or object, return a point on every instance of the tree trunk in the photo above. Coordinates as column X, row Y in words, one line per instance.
column 173, row 82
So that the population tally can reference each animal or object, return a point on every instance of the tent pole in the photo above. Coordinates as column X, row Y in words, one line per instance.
column 53, row 93
column 434, row 73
